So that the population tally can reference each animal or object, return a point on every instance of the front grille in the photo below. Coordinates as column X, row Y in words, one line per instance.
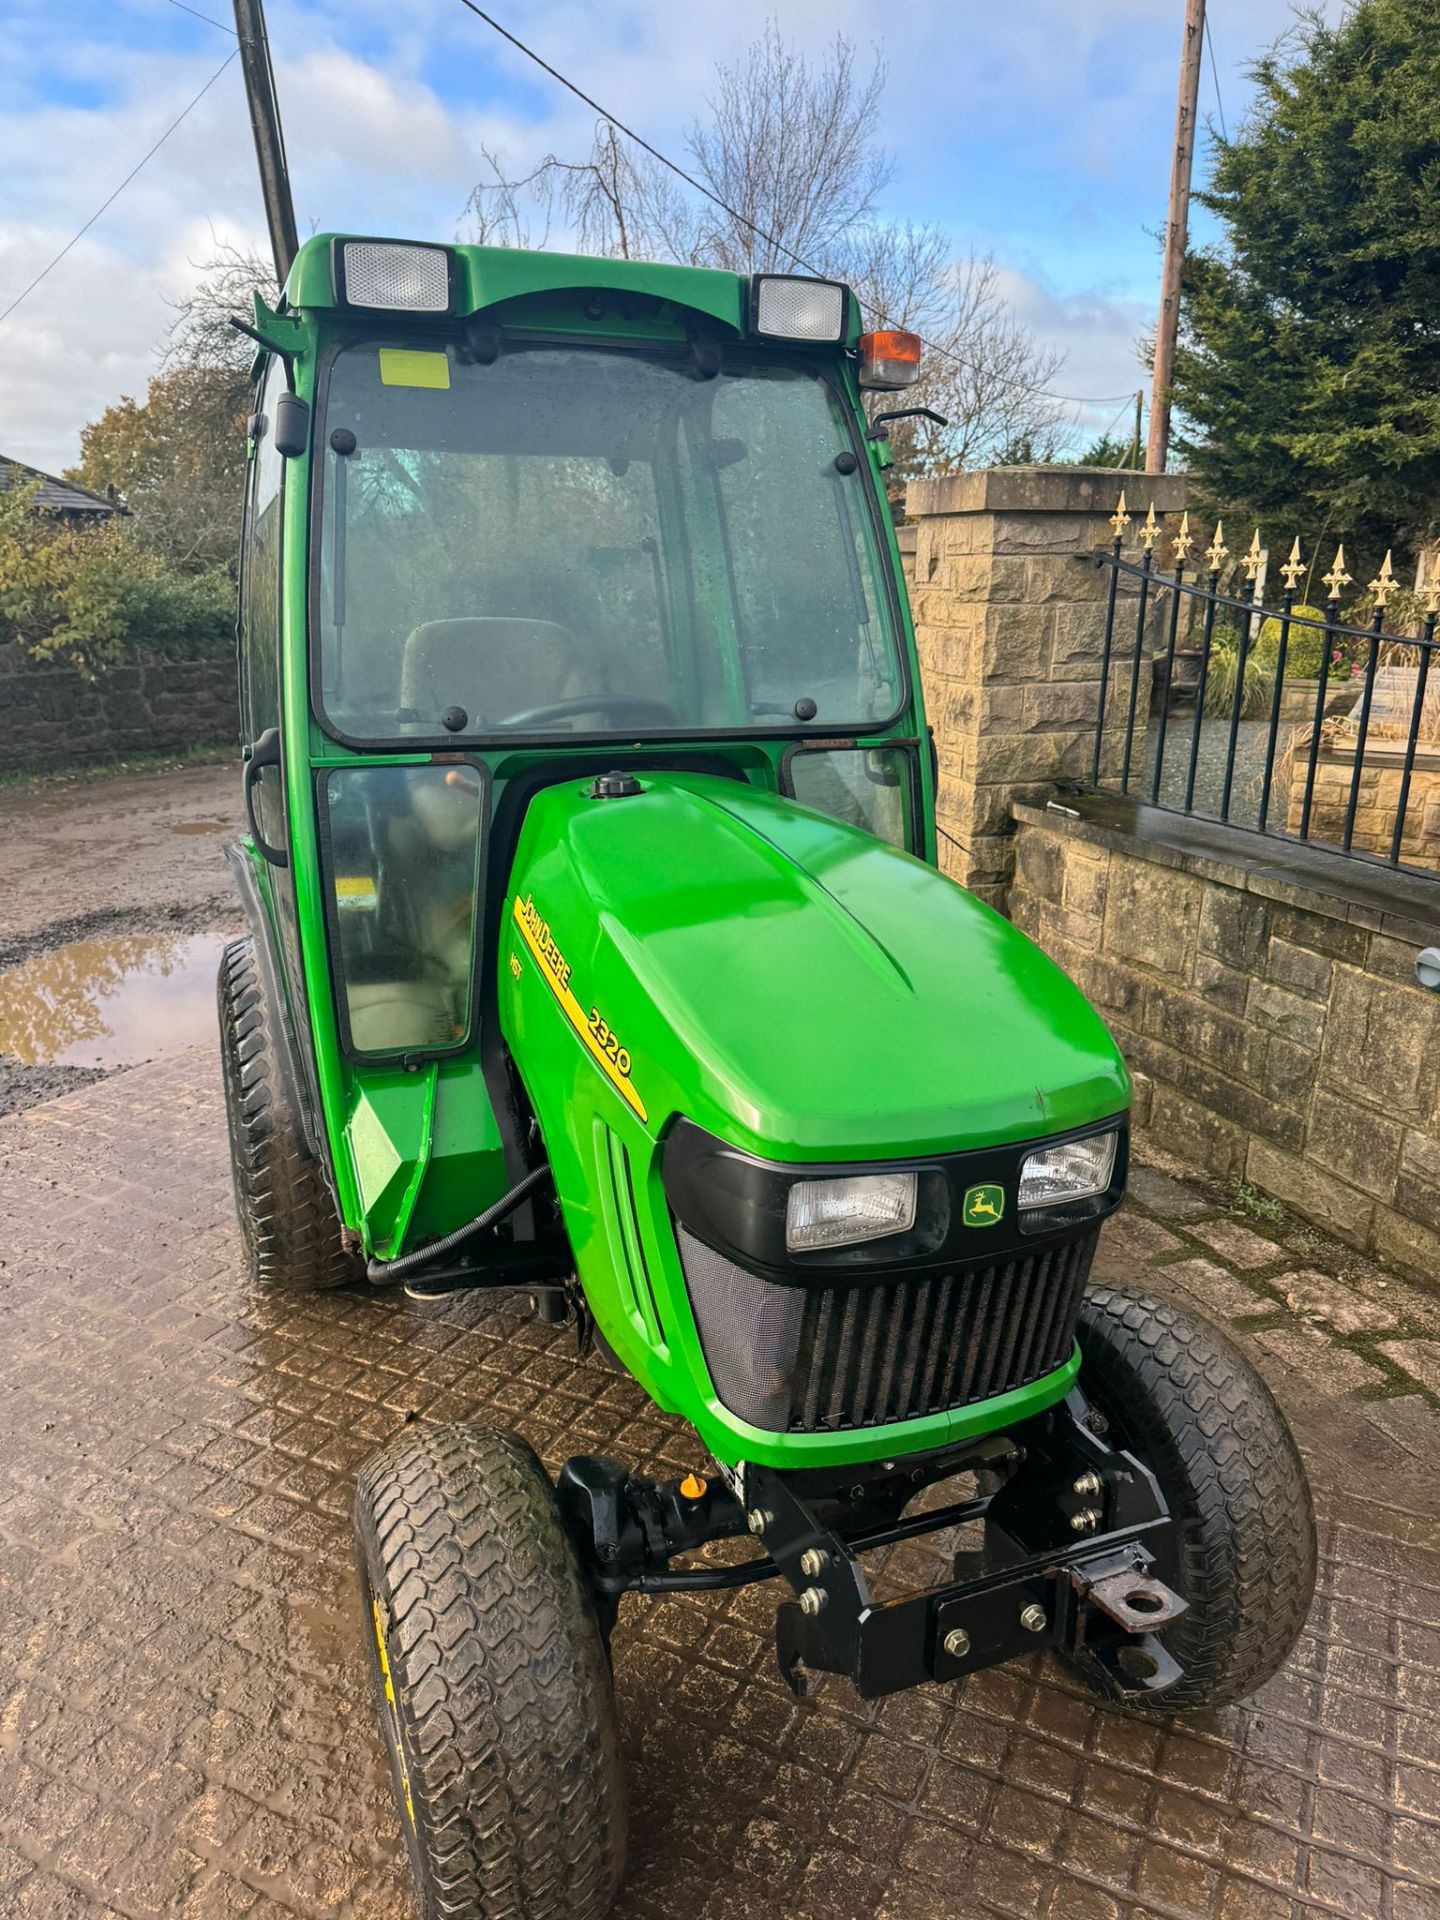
column 936, row 1341
column 815, row 1359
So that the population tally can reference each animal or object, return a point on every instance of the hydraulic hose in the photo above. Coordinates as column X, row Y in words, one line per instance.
column 383, row 1270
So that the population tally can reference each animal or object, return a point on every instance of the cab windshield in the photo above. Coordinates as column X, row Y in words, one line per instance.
column 589, row 541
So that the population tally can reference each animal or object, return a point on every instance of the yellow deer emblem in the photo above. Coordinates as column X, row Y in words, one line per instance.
column 983, row 1206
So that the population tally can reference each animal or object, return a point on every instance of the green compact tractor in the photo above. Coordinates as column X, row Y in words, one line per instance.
column 598, row 949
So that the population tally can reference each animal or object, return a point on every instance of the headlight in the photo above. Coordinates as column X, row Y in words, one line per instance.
column 838, row 1213
column 394, row 277
column 1073, row 1171
column 786, row 306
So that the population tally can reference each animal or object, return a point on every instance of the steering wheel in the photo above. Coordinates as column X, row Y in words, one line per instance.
column 643, row 712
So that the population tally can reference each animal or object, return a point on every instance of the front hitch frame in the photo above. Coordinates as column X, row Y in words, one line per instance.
column 1075, row 1538
column 1078, row 1541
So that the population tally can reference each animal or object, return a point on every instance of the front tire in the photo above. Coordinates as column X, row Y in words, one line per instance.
column 288, row 1223
column 1182, row 1396
column 491, row 1679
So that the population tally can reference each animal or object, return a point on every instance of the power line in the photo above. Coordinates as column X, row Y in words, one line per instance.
column 1215, row 76
column 1124, row 404
column 1043, row 393
column 75, row 238
column 197, row 15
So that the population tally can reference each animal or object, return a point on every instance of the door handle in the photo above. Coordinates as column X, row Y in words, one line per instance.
column 264, row 753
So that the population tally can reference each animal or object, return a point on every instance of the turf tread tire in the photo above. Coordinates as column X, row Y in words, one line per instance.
column 1191, row 1405
column 288, row 1224
column 501, row 1683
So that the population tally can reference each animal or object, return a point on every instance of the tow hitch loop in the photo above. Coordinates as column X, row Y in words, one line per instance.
column 1132, row 1597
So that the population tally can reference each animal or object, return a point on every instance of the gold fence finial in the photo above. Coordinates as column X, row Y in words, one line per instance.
column 1430, row 592
column 1381, row 585
column 1217, row 549
column 1337, row 579
column 1184, row 541
column 1253, row 557
column 1120, row 519
column 1293, row 568
column 1151, row 530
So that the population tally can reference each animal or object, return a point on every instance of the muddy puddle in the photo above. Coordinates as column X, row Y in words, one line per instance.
column 110, row 1001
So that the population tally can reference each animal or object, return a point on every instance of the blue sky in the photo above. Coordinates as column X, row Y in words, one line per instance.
column 1037, row 131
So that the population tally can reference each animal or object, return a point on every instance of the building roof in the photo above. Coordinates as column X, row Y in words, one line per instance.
column 59, row 496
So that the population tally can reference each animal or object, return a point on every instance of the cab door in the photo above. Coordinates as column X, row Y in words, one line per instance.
column 263, row 735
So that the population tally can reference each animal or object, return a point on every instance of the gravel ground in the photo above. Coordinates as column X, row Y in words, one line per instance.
column 104, row 858
column 1251, row 740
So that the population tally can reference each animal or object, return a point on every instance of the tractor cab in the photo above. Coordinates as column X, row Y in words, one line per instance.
column 513, row 516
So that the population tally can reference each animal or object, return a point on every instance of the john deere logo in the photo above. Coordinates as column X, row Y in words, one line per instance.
column 984, row 1206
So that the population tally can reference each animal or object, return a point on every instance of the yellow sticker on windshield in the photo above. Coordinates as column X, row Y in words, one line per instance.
column 355, row 891
column 403, row 367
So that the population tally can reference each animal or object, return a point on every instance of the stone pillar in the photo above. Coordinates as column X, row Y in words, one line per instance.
column 1010, row 627
column 905, row 540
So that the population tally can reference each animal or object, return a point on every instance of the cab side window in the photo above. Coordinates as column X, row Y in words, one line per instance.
column 402, row 847
column 870, row 787
column 260, row 595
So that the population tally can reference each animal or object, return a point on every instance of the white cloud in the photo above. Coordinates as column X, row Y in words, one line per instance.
column 388, row 110
column 1096, row 331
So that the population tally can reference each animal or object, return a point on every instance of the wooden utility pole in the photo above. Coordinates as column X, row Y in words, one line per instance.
column 269, row 138
column 1176, row 235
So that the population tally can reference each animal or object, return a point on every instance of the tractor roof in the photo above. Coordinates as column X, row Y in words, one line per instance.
column 484, row 277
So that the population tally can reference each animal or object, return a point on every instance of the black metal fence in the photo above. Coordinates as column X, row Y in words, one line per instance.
column 1303, row 725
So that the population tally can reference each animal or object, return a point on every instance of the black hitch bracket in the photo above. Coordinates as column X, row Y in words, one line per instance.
column 1077, row 1543
column 1098, row 1596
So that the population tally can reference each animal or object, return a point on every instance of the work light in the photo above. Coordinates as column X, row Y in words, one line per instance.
column 791, row 306
column 394, row 276
column 1073, row 1170
column 841, row 1212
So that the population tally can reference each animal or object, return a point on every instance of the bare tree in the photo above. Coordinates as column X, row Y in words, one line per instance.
column 985, row 372
column 791, row 174
column 791, row 148
column 497, row 209
column 201, row 334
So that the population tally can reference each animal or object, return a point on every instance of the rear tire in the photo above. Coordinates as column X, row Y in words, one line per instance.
column 288, row 1223
column 1183, row 1397
column 491, row 1679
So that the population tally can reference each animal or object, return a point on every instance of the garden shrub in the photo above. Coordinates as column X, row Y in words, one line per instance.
column 88, row 597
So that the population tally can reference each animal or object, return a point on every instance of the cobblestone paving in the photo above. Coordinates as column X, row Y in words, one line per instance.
column 183, row 1723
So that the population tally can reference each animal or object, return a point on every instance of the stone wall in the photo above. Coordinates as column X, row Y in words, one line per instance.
column 1381, row 779
column 1273, row 1023
column 51, row 715
column 1010, row 625
column 905, row 540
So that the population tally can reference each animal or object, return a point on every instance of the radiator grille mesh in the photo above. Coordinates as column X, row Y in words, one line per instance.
column 818, row 1359
column 924, row 1345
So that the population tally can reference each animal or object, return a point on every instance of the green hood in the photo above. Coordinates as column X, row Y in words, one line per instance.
column 786, row 981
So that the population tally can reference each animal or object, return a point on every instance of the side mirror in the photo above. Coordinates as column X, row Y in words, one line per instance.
column 292, row 425
column 878, row 430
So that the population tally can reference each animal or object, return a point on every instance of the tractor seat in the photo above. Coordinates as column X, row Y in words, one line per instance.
column 389, row 1015
column 493, row 667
